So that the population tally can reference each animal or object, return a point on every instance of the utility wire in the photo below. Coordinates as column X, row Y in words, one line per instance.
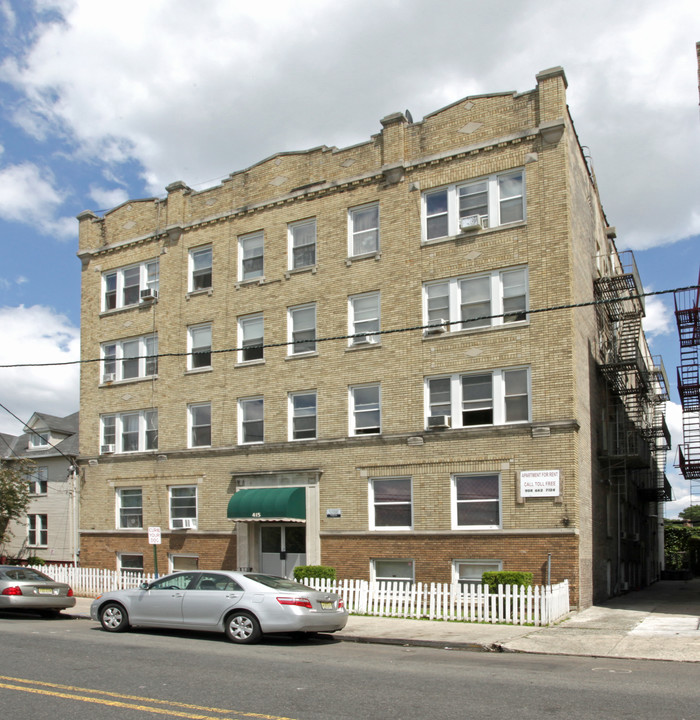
column 393, row 331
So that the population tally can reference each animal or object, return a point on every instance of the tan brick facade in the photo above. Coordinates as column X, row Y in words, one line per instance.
column 556, row 242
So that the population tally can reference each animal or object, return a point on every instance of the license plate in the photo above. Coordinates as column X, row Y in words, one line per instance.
column 326, row 606
column 45, row 591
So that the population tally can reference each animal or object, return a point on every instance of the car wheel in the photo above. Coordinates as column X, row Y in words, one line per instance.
column 113, row 617
column 242, row 627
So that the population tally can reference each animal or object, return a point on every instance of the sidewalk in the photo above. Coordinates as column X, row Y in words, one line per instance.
column 658, row 623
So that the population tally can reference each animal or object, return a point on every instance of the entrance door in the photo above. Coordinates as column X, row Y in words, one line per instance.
column 282, row 548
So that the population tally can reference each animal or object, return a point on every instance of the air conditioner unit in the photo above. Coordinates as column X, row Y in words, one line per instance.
column 184, row 523
column 439, row 421
column 107, row 449
column 470, row 222
column 436, row 328
column 109, row 377
column 149, row 294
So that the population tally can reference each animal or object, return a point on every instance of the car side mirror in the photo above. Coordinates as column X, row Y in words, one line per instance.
column 144, row 586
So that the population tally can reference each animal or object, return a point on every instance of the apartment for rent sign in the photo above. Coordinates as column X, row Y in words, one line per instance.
column 539, row 483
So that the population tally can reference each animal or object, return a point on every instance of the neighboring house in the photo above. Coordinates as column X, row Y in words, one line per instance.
column 385, row 358
column 50, row 528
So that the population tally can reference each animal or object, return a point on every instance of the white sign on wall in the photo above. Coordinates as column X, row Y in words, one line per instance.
column 154, row 535
column 539, row 483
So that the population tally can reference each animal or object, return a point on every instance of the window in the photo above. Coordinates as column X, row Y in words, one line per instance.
column 492, row 201
column 365, row 415
column 129, row 508
column 37, row 530
column 476, row 301
column 199, row 347
column 390, row 504
column 38, row 479
column 130, row 359
column 468, row 573
column 302, row 415
column 130, row 431
column 398, row 571
column 490, row 398
column 200, row 269
column 363, row 225
column 38, row 440
column 476, row 501
column 178, row 563
column 251, row 423
column 250, row 256
column 130, row 564
column 302, row 244
column 251, row 338
column 199, row 420
column 363, row 316
column 183, row 507
column 301, row 324
column 124, row 287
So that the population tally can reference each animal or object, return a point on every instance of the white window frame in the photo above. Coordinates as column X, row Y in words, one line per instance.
column 499, row 379
column 145, row 358
column 373, row 503
column 408, row 579
column 38, row 478
column 292, row 228
column 194, row 331
column 248, row 246
column 37, row 530
column 493, row 309
column 354, row 235
column 145, row 426
column 194, row 253
column 38, row 440
column 353, row 410
column 494, row 202
column 454, row 502
column 497, row 566
column 148, row 273
column 245, row 322
column 191, row 412
column 129, row 570
column 244, row 407
column 307, row 346
column 365, row 324
column 120, row 524
column 172, row 515
column 295, row 413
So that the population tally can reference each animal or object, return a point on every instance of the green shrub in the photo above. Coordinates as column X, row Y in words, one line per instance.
column 494, row 578
column 36, row 561
column 304, row 572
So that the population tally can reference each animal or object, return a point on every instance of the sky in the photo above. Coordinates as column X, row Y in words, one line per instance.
column 105, row 101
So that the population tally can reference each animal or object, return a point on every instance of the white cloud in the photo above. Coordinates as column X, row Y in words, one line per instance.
column 107, row 199
column 659, row 318
column 28, row 195
column 37, row 335
column 221, row 86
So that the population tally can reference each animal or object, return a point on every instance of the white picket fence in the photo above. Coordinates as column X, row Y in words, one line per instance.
column 538, row 605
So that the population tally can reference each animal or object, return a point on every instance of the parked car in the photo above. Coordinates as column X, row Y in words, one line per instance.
column 243, row 605
column 23, row 588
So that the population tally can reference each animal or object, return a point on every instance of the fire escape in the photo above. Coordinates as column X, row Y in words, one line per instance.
column 634, row 438
column 687, row 304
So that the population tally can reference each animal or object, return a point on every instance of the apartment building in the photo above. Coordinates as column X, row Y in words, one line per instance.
column 386, row 358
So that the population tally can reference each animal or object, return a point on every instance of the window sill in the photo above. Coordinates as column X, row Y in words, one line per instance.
column 244, row 282
column 363, row 346
column 128, row 381
column 313, row 269
column 471, row 234
column 365, row 256
column 476, row 331
column 123, row 308
column 299, row 356
column 249, row 363
column 199, row 371
column 195, row 293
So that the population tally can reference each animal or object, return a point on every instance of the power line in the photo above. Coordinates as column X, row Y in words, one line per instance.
column 392, row 331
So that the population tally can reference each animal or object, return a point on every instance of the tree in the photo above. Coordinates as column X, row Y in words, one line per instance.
column 691, row 514
column 14, row 493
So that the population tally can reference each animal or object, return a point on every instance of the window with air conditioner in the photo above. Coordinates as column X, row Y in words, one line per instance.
column 482, row 300
column 129, row 508
column 129, row 359
column 363, row 319
column 183, row 507
column 488, row 202
column 125, row 287
column 135, row 431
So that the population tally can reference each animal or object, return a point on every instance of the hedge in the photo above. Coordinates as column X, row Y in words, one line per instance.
column 494, row 578
column 304, row 572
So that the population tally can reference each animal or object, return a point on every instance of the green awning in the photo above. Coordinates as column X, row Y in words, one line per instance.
column 287, row 504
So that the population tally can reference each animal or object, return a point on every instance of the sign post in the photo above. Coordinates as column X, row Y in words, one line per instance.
column 154, row 539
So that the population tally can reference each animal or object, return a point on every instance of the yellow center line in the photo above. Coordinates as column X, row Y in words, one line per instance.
column 121, row 697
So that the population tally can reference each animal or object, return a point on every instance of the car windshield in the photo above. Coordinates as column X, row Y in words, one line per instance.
column 277, row 583
column 27, row 574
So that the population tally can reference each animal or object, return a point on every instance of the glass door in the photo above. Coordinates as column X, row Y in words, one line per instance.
column 282, row 548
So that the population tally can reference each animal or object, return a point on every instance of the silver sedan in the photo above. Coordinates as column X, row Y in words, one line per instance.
column 243, row 605
column 22, row 588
